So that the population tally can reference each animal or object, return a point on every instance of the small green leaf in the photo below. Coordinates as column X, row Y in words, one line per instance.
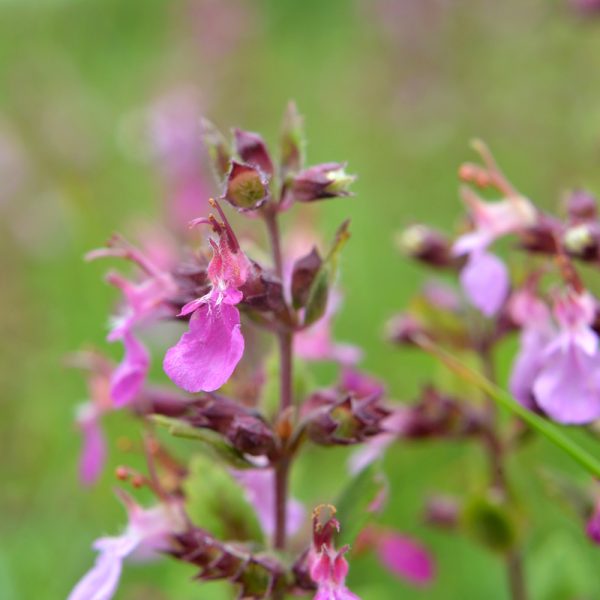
column 353, row 504
column 215, row 501
column 214, row 442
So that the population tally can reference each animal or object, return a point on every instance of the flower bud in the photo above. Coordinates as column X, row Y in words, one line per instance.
column 263, row 290
column 541, row 237
column 403, row 328
column 337, row 418
column 303, row 275
column 328, row 180
column 582, row 241
column 427, row 245
column 246, row 187
column 581, row 206
column 253, row 150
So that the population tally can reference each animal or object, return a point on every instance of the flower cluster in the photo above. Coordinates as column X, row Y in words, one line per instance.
column 543, row 296
column 236, row 311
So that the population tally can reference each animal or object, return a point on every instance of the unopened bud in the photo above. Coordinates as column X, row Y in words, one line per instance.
column 581, row 241
column 425, row 244
column 246, row 188
column 253, row 150
column 328, row 180
column 581, row 206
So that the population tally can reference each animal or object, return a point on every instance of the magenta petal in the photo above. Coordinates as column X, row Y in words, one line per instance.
column 93, row 453
column 128, row 378
column 527, row 365
column 485, row 282
column 206, row 355
column 406, row 558
column 100, row 582
column 568, row 386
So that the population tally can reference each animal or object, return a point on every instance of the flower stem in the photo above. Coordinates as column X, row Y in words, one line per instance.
column 285, row 339
column 516, row 577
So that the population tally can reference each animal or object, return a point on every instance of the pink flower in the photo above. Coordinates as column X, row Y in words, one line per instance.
column 145, row 301
column 405, row 558
column 328, row 570
column 532, row 314
column 147, row 533
column 260, row 493
column 89, row 416
column 485, row 277
column 174, row 128
column 327, row 566
column 567, row 387
column 206, row 355
column 93, row 453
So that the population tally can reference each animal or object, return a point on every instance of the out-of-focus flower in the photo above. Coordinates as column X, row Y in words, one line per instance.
column 485, row 277
column 567, row 387
column 533, row 316
column 260, row 493
column 145, row 301
column 592, row 527
column 206, row 355
column 148, row 532
column 426, row 245
column 328, row 180
column 403, row 556
column 89, row 414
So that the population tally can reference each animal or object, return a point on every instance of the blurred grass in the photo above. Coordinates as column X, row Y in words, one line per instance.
column 398, row 95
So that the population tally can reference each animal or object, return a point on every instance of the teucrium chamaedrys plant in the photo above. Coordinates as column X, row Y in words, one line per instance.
column 250, row 314
column 231, row 515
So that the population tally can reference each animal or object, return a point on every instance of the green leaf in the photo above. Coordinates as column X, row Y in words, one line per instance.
column 354, row 502
column 216, row 502
column 212, row 441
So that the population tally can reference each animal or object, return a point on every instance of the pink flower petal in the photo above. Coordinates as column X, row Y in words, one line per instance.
column 405, row 558
column 100, row 583
column 568, row 386
column 128, row 378
column 206, row 355
column 485, row 282
column 93, row 453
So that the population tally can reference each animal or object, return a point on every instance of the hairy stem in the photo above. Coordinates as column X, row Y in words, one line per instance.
column 285, row 341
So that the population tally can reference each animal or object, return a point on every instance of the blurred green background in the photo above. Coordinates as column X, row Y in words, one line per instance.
column 397, row 88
